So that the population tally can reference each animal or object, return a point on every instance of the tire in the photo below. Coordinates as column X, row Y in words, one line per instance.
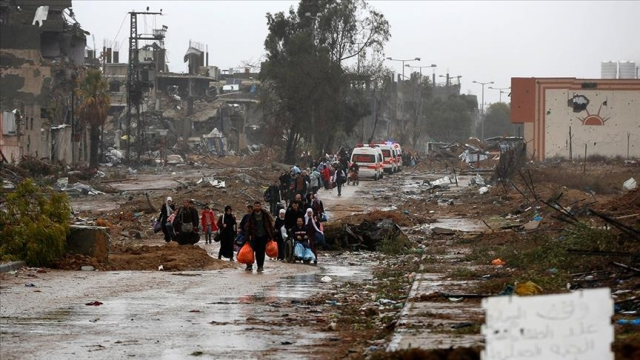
column 288, row 251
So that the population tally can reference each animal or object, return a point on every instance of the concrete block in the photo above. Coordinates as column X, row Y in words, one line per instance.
column 90, row 241
column 12, row 265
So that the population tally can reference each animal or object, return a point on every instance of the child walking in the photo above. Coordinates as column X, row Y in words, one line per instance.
column 208, row 221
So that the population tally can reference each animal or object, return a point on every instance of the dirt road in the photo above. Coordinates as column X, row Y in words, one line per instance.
column 219, row 314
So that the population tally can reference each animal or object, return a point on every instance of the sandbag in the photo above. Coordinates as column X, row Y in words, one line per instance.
column 272, row 249
column 245, row 255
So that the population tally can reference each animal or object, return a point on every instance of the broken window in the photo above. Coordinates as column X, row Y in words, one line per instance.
column 9, row 123
column 579, row 103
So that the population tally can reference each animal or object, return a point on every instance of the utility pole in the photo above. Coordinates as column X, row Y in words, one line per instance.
column 134, row 86
column 482, row 108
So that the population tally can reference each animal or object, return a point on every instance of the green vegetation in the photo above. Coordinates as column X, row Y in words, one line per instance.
column 35, row 226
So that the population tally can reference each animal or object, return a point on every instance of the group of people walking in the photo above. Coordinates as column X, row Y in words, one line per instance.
column 257, row 226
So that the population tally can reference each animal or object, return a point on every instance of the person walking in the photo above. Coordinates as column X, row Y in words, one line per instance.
column 292, row 215
column 274, row 198
column 315, row 232
column 166, row 210
column 314, row 181
column 280, row 234
column 208, row 222
column 228, row 229
column 259, row 231
column 326, row 177
column 340, row 178
column 186, row 223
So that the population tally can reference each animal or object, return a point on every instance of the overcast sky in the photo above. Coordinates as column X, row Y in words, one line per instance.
column 482, row 41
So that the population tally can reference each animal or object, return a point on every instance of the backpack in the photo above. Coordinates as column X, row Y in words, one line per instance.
column 267, row 195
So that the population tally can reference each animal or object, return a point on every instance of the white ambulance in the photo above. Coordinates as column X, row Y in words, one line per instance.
column 398, row 155
column 389, row 157
column 369, row 160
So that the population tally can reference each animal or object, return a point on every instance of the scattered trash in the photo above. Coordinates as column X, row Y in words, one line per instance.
column 13, row 272
column 326, row 279
column 462, row 325
column 630, row 184
column 498, row 262
column 8, row 185
column 194, row 311
column 286, row 343
column 160, row 268
column 527, row 289
column 455, row 299
column 477, row 180
column 629, row 322
column 531, row 225
column 87, row 268
column 483, row 190
column 333, row 326
column 94, row 303
column 30, row 285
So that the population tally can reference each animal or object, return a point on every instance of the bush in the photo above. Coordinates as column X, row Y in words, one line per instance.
column 35, row 226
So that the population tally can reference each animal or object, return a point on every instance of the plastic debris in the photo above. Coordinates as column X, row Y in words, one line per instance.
column 498, row 262
column 629, row 322
column 160, row 268
column 528, row 288
column 30, row 285
column 630, row 184
column 483, row 190
column 94, row 303
column 326, row 279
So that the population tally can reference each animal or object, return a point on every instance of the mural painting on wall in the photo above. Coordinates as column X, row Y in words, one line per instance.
column 580, row 103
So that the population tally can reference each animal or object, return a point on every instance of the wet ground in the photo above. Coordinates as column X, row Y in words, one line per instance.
column 220, row 314
column 217, row 314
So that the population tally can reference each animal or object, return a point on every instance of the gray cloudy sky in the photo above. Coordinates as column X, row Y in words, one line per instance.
column 482, row 41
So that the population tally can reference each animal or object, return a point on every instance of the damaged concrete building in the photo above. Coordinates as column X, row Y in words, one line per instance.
column 42, row 52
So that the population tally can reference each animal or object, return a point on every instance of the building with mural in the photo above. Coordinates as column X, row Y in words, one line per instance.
column 563, row 116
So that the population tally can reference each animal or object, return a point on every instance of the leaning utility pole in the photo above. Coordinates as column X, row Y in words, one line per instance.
column 134, row 86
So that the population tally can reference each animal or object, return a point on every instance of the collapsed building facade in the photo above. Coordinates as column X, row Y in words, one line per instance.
column 42, row 53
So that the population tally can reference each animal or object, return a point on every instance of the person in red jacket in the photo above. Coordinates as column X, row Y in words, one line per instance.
column 326, row 177
column 208, row 221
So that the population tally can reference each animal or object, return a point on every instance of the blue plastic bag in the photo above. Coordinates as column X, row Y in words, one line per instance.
column 319, row 239
column 298, row 251
column 308, row 255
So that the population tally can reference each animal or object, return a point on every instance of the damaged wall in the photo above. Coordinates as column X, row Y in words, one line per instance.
column 602, row 113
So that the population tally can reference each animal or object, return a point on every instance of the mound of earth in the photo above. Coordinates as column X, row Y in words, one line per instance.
column 171, row 256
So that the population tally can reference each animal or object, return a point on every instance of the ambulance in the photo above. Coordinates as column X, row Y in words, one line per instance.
column 398, row 149
column 369, row 160
column 389, row 157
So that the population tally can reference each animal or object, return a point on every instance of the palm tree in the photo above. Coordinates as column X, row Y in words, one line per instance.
column 93, row 90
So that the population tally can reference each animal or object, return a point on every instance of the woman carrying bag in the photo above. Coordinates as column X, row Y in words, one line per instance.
column 228, row 230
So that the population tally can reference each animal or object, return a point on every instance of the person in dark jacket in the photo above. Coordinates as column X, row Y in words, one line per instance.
column 274, row 198
column 259, row 231
column 186, row 224
column 228, row 229
column 285, row 180
column 167, row 209
column 292, row 216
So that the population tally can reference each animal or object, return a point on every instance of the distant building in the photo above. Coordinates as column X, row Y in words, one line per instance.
column 41, row 55
column 602, row 114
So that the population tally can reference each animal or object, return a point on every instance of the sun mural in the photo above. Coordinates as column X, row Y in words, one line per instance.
column 580, row 103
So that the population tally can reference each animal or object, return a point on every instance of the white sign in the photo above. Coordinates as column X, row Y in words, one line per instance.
column 575, row 326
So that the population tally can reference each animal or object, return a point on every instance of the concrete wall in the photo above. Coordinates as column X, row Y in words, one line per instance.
column 608, row 123
column 603, row 125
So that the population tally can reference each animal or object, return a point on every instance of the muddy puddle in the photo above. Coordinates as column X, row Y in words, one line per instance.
column 216, row 314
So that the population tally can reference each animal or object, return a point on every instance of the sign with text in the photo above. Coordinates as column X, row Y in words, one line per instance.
column 575, row 326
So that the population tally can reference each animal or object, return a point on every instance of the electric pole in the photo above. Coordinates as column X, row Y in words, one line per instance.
column 134, row 85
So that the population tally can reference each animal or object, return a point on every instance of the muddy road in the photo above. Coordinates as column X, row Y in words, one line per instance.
column 156, row 314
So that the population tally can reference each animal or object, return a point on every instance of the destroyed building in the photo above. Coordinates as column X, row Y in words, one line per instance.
column 42, row 52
